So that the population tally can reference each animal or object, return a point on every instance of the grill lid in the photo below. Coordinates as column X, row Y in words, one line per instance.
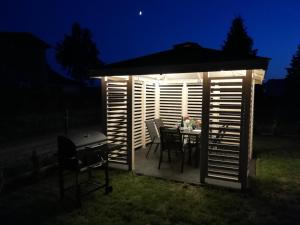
column 87, row 138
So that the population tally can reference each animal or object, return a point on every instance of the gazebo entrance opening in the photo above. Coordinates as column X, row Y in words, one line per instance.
column 168, row 97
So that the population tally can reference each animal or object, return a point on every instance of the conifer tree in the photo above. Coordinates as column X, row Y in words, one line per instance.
column 291, row 100
column 293, row 76
column 238, row 43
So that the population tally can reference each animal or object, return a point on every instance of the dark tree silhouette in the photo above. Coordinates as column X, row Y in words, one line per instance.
column 290, row 104
column 293, row 76
column 77, row 53
column 292, row 90
column 238, row 43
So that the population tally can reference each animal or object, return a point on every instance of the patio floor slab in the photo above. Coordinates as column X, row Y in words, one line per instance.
column 170, row 171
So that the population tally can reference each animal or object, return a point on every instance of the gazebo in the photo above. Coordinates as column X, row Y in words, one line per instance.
column 189, row 80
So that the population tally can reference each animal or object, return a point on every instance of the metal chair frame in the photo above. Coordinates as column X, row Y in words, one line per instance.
column 153, row 135
column 171, row 140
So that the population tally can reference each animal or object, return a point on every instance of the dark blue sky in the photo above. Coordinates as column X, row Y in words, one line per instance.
column 120, row 33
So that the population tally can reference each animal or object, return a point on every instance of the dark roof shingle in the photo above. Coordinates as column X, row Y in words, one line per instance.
column 186, row 57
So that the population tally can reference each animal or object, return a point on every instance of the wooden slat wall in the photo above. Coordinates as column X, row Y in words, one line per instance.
column 150, row 106
column 116, row 99
column 170, row 103
column 224, row 128
column 194, row 107
column 138, row 113
column 144, row 109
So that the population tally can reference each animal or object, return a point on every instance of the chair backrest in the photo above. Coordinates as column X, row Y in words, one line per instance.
column 159, row 123
column 218, row 136
column 222, row 131
column 152, row 129
column 170, row 138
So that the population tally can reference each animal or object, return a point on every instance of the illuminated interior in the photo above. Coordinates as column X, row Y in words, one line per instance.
column 134, row 99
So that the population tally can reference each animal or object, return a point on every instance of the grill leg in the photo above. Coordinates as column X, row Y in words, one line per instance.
column 61, row 183
column 78, row 192
column 90, row 173
column 108, row 188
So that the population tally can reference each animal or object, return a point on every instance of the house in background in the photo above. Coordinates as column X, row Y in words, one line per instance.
column 23, row 64
column 33, row 96
column 22, row 60
column 185, row 80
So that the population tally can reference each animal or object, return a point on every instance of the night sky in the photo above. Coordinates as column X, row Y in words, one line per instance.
column 121, row 33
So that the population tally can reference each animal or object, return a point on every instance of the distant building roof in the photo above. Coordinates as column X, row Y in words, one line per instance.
column 21, row 37
column 185, row 57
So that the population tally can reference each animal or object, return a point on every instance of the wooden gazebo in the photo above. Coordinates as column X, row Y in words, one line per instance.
column 186, row 80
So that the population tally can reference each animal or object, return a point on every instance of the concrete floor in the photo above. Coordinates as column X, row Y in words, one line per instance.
column 171, row 171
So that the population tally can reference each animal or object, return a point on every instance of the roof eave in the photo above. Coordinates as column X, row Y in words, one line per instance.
column 261, row 63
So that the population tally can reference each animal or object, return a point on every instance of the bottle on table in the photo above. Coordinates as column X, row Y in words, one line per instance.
column 181, row 123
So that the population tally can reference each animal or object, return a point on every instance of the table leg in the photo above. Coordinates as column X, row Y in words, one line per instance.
column 190, row 150
column 197, row 151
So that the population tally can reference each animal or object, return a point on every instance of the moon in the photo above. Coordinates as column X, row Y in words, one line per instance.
column 140, row 13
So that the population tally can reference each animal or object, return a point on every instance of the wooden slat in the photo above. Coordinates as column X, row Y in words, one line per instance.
column 170, row 103
column 137, row 113
column 194, row 105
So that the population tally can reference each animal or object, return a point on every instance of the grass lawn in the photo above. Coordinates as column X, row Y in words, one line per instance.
column 273, row 199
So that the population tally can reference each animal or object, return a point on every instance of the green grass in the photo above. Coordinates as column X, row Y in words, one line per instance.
column 273, row 199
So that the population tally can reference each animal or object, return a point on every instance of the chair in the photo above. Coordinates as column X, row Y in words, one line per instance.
column 221, row 133
column 159, row 123
column 69, row 160
column 153, row 135
column 217, row 137
column 171, row 140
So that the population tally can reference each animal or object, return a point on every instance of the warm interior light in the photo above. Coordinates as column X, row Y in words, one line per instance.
column 126, row 77
column 229, row 73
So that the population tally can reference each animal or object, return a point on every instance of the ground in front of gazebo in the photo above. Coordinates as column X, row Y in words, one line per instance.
column 274, row 198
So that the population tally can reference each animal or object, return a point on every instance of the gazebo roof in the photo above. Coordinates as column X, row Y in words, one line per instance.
column 182, row 58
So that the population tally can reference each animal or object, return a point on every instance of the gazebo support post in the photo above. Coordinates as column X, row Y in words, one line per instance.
column 103, row 117
column 245, row 128
column 129, row 123
column 205, row 127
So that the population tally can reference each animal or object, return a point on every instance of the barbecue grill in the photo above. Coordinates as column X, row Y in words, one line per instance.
column 78, row 153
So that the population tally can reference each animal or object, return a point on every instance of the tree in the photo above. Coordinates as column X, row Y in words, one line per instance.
column 292, row 82
column 293, row 75
column 77, row 53
column 290, row 104
column 238, row 42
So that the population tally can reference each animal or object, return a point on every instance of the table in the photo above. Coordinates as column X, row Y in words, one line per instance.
column 193, row 133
